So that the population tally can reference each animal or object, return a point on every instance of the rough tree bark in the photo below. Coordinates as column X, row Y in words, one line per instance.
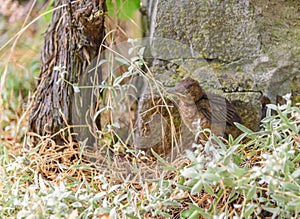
column 72, row 41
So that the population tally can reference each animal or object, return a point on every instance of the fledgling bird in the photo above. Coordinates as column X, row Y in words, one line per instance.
column 214, row 111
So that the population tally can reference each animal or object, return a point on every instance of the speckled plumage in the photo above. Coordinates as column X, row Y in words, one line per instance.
column 213, row 111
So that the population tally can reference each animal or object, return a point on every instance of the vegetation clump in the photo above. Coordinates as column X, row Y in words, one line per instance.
column 256, row 175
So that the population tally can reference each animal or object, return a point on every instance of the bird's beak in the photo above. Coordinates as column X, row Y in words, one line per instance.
column 172, row 90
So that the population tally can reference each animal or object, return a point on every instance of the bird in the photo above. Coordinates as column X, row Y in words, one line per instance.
column 211, row 110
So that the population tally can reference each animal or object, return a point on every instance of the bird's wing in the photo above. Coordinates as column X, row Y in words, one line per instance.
column 218, row 109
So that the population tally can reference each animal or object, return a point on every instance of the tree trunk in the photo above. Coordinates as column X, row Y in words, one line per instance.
column 72, row 41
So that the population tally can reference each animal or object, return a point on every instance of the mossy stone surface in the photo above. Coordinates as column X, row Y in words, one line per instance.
column 229, row 46
column 239, row 49
column 223, row 30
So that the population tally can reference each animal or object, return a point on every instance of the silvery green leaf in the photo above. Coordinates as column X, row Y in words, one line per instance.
column 122, row 61
column 211, row 177
column 141, row 52
column 251, row 193
column 249, row 210
column 272, row 106
column 197, row 187
column 76, row 205
column 99, row 196
column 114, row 188
column 243, row 128
column 189, row 172
column 208, row 189
column 76, row 89
column 296, row 174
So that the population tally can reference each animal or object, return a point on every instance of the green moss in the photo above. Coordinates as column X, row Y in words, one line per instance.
column 181, row 72
column 177, row 121
column 217, row 66
column 295, row 84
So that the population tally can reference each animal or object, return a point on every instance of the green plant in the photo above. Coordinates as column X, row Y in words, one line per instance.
column 122, row 9
column 255, row 175
column 47, row 16
column 261, row 174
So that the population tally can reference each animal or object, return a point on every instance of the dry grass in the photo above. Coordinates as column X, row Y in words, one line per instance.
column 72, row 180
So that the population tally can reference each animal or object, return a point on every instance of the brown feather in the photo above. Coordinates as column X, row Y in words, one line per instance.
column 210, row 108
